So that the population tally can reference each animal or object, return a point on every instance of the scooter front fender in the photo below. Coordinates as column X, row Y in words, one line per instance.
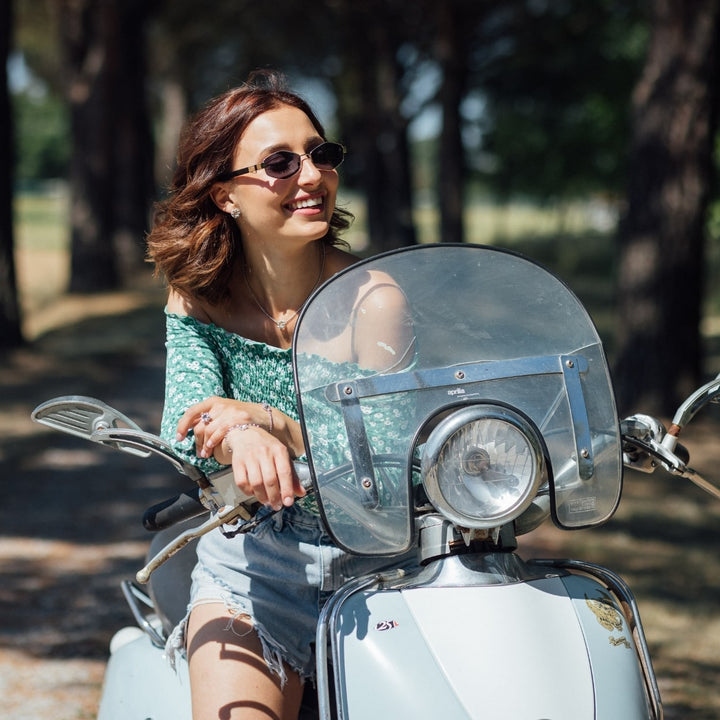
column 140, row 683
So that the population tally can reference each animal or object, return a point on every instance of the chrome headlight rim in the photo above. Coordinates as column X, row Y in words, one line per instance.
column 455, row 422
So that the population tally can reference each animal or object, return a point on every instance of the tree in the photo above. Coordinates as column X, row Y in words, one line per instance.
column 111, row 165
column 451, row 52
column 10, row 323
column 370, row 95
column 662, row 243
column 556, row 79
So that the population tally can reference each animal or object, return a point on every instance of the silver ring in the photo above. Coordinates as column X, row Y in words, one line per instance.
column 205, row 417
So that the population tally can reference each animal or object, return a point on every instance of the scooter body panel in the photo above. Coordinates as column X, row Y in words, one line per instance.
column 140, row 683
column 428, row 652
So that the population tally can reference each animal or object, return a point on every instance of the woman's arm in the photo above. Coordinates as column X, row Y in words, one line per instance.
column 204, row 424
column 257, row 440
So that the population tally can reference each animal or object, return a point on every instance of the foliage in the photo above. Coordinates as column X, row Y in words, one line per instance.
column 557, row 79
column 41, row 137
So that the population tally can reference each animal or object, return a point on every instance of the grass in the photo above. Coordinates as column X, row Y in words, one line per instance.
column 41, row 221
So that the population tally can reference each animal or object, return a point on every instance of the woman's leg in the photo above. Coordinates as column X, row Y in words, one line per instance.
column 228, row 675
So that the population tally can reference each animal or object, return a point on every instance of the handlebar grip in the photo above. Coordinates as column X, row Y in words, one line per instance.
column 683, row 453
column 184, row 506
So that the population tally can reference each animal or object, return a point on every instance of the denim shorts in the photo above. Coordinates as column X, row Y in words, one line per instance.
column 279, row 575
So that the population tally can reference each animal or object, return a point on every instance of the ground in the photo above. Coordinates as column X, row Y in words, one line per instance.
column 70, row 522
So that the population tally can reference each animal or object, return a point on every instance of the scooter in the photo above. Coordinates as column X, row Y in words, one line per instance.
column 496, row 415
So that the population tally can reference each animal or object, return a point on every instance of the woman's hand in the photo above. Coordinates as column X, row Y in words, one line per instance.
column 259, row 442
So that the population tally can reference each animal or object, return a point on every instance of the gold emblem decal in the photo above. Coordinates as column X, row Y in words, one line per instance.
column 605, row 611
column 619, row 641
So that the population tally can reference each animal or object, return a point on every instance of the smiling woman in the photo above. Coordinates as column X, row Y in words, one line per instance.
column 249, row 230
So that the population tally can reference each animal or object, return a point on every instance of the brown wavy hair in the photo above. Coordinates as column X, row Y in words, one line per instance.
column 193, row 243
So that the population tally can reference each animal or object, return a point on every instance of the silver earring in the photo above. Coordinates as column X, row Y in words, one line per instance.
column 235, row 213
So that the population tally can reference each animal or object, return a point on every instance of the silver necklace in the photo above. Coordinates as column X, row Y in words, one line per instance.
column 282, row 324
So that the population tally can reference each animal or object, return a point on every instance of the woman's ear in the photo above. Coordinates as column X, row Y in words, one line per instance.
column 221, row 197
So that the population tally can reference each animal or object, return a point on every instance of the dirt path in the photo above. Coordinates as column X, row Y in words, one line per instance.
column 70, row 531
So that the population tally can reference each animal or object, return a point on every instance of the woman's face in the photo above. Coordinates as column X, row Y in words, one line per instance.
column 295, row 208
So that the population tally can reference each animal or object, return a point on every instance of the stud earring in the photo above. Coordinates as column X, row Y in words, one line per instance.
column 235, row 213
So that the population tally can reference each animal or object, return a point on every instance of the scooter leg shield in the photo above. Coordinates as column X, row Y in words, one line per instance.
column 532, row 649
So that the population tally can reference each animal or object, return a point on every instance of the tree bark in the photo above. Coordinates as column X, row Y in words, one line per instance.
column 111, row 171
column 451, row 157
column 10, row 321
column 370, row 100
column 133, row 156
column 662, row 236
column 86, row 28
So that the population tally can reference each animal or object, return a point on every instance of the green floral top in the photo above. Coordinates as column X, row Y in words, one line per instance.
column 205, row 360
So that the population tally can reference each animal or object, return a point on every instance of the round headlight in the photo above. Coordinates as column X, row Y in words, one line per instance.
column 482, row 466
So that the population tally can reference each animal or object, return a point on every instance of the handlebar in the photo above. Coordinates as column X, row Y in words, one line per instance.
column 185, row 506
column 194, row 502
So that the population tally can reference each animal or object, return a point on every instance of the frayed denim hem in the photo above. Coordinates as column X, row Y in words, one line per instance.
column 274, row 654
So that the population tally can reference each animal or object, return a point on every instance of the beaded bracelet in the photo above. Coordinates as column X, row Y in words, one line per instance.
column 241, row 426
column 268, row 410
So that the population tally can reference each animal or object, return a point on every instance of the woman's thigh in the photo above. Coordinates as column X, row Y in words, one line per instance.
column 229, row 678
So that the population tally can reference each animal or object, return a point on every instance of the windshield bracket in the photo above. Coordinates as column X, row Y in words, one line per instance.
column 570, row 368
column 363, row 469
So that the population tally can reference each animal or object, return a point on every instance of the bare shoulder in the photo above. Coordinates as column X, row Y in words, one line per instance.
column 337, row 259
column 373, row 286
column 381, row 292
column 181, row 304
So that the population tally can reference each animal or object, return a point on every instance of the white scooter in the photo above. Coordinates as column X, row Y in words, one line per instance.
column 497, row 416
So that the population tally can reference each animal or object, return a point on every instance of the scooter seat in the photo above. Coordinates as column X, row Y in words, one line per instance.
column 169, row 585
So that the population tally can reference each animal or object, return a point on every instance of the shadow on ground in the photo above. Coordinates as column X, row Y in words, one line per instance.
column 70, row 517
column 70, row 520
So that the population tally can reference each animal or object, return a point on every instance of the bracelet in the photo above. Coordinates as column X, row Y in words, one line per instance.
column 268, row 409
column 241, row 426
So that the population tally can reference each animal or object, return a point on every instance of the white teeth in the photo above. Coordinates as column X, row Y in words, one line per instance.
column 308, row 202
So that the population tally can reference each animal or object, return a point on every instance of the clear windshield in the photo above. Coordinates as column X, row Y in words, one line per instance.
column 387, row 345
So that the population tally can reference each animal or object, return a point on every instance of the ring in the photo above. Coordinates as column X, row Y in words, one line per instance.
column 205, row 417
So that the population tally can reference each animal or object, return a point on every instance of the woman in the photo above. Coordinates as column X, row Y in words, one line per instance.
column 247, row 233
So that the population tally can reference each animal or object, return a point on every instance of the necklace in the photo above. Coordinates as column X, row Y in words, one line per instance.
column 282, row 324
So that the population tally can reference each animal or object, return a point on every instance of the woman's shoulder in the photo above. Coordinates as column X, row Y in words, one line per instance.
column 186, row 306
column 337, row 259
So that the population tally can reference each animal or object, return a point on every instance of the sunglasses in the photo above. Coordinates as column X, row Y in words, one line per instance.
column 284, row 164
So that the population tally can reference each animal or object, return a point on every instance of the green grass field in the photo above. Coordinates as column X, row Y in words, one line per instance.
column 41, row 221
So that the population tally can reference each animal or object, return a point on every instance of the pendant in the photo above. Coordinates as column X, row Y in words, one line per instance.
column 281, row 324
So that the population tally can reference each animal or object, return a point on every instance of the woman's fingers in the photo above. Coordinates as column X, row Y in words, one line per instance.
column 261, row 463
column 201, row 412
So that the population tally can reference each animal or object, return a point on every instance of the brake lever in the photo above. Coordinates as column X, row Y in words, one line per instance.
column 224, row 516
column 654, row 453
column 237, row 507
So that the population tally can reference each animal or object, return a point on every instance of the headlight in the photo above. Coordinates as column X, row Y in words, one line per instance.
column 482, row 466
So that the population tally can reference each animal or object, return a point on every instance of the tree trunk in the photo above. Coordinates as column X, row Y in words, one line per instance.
column 111, row 171
column 451, row 161
column 371, row 110
column 133, row 147
column 10, row 324
column 659, row 351
column 87, row 28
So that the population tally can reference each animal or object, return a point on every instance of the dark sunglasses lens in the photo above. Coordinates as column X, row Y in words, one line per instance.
column 282, row 164
column 327, row 156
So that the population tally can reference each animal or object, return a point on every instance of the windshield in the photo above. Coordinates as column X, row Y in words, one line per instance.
column 382, row 349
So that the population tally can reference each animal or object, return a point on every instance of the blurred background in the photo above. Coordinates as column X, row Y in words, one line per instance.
column 584, row 134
